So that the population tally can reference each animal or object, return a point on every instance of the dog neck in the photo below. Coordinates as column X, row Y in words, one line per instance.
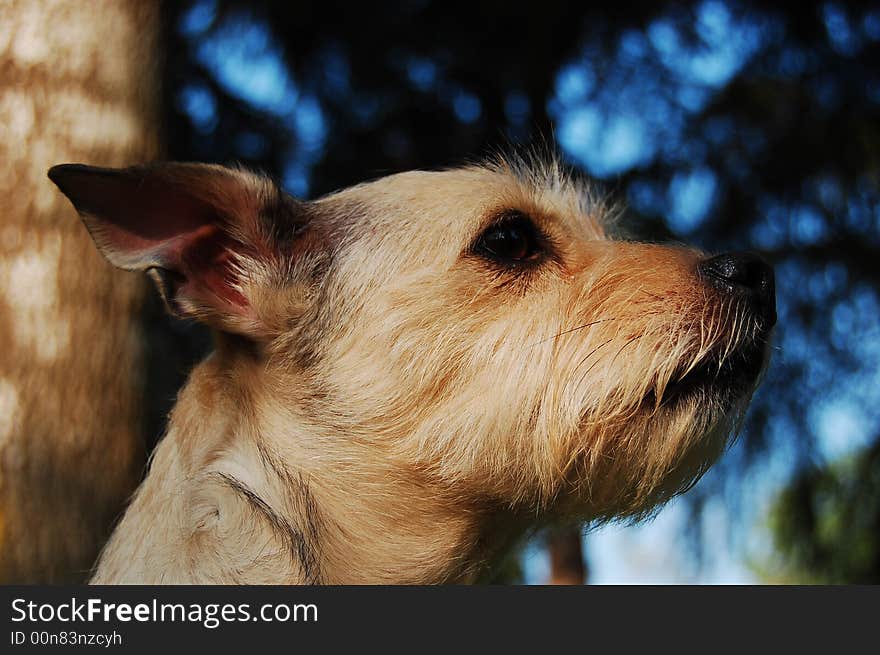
column 247, row 489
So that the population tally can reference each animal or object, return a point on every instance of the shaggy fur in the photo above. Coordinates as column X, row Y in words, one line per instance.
column 387, row 405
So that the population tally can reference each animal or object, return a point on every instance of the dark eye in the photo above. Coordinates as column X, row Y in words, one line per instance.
column 514, row 239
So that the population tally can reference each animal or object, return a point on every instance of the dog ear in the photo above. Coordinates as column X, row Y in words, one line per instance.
column 201, row 232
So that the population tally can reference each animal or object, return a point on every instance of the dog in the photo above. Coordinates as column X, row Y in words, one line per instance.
column 412, row 373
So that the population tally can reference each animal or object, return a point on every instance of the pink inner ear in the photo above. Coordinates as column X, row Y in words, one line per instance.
column 180, row 235
column 143, row 219
column 134, row 214
column 205, row 261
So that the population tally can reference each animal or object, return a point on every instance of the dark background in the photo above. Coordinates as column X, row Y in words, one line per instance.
column 725, row 124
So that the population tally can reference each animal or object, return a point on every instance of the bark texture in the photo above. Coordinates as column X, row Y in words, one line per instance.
column 78, row 83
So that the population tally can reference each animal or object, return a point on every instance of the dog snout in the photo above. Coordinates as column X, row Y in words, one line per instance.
column 747, row 274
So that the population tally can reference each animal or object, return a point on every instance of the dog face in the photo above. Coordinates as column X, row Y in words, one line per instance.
column 475, row 328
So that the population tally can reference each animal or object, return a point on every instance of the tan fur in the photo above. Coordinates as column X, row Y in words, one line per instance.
column 399, row 410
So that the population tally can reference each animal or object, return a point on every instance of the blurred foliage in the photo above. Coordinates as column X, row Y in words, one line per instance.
column 826, row 524
column 724, row 124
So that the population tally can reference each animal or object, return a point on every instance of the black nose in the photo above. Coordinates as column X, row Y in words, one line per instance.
column 747, row 274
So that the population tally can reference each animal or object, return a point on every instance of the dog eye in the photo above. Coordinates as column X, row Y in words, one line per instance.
column 512, row 240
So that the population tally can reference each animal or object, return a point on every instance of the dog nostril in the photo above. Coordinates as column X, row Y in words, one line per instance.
column 744, row 271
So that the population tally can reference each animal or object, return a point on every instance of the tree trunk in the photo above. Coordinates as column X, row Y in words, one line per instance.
column 78, row 83
column 567, row 565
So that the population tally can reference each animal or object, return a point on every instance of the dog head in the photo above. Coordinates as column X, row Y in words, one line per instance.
column 477, row 327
